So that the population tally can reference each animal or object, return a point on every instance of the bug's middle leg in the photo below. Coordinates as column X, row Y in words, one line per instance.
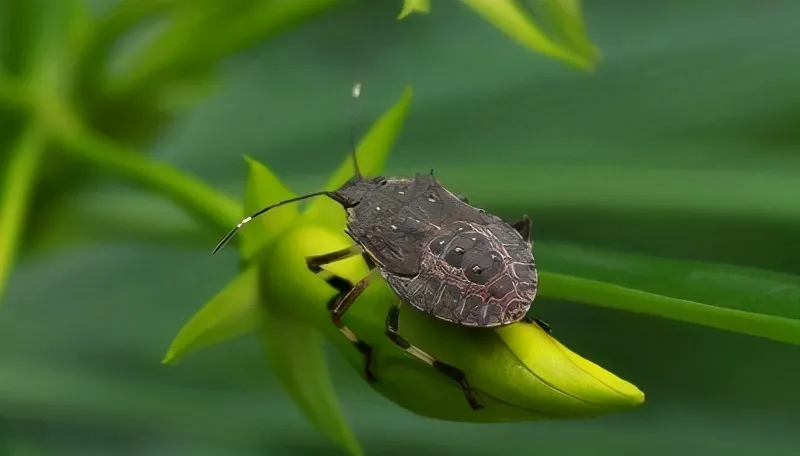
column 346, row 296
column 392, row 332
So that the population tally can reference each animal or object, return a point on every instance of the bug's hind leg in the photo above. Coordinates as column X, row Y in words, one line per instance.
column 542, row 324
column 346, row 296
column 392, row 332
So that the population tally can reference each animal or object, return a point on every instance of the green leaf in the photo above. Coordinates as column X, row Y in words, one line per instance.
column 295, row 354
column 745, row 300
column 186, row 46
column 18, row 183
column 372, row 152
column 233, row 312
column 263, row 189
column 414, row 6
column 511, row 19
column 567, row 16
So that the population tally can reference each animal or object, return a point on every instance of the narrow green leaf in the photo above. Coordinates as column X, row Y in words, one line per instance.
column 19, row 178
column 414, row 6
column 518, row 24
column 295, row 353
column 739, row 299
column 233, row 312
column 372, row 152
column 263, row 189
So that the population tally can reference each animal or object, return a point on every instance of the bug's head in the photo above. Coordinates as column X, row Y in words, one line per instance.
column 354, row 190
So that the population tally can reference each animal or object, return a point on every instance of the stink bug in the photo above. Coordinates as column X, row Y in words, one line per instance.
column 437, row 252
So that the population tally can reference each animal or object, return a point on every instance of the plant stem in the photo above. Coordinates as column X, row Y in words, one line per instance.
column 18, row 184
column 192, row 194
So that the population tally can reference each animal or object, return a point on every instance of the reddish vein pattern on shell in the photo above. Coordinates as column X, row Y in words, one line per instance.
column 447, row 292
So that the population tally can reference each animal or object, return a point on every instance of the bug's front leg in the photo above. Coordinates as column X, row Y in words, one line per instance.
column 392, row 332
column 346, row 296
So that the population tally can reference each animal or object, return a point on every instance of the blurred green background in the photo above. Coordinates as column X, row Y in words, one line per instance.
column 693, row 100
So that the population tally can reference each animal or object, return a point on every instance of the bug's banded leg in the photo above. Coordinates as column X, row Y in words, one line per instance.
column 542, row 324
column 392, row 332
column 523, row 227
column 346, row 296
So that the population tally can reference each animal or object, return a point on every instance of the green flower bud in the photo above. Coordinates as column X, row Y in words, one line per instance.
column 520, row 372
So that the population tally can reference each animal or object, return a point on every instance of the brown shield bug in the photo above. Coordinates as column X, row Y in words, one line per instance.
column 437, row 252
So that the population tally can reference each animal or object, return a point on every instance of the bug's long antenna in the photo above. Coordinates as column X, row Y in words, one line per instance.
column 230, row 234
column 355, row 94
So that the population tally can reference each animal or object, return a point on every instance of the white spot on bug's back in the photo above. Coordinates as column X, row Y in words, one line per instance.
column 432, row 200
column 377, row 208
column 401, row 192
column 460, row 229
column 474, row 239
column 394, row 227
column 441, row 242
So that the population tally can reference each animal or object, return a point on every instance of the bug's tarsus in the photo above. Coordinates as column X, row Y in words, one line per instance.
column 353, row 144
column 249, row 218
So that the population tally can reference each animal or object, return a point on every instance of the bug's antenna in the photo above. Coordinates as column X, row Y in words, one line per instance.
column 355, row 94
column 230, row 234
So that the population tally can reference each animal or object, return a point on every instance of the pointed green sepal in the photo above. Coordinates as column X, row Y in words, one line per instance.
column 414, row 6
column 372, row 153
column 263, row 189
column 567, row 16
column 233, row 312
column 517, row 23
column 295, row 354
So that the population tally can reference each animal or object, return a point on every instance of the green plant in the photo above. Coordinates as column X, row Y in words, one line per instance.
column 59, row 87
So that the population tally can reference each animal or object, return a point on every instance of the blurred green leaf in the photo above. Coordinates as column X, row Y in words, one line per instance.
column 745, row 300
column 414, row 6
column 18, row 182
column 372, row 152
column 517, row 23
column 233, row 312
column 186, row 47
column 295, row 353
column 263, row 189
